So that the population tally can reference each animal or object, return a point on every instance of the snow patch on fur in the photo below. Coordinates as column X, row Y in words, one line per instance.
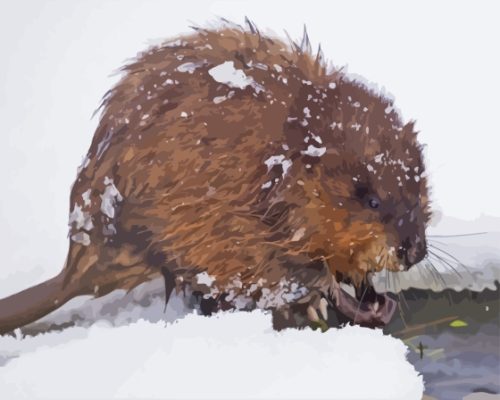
column 235, row 78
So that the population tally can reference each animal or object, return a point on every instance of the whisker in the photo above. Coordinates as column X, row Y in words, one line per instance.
column 401, row 302
column 444, row 287
column 446, row 253
column 432, row 241
column 402, row 297
column 435, row 273
column 393, row 282
column 460, row 235
column 445, row 263
column 431, row 270
column 434, row 259
column 460, row 263
column 386, row 272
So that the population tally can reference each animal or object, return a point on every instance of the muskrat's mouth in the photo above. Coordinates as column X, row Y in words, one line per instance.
column 364, row 306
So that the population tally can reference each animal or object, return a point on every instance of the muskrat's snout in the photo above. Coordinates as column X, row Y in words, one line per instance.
column 412, row 251
column 412, row 246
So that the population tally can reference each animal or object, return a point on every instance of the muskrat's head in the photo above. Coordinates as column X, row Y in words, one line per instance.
column 364, row 197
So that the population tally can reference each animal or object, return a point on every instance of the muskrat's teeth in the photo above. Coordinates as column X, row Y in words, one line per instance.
column 375, row 306
column 312, row 314
column 323, row 308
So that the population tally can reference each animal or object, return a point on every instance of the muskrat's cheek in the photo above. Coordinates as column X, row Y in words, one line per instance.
column 362, row 248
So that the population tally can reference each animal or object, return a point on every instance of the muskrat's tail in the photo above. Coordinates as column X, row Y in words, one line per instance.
column 35, row 302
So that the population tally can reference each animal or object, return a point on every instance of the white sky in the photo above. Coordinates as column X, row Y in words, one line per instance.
column 439, row 59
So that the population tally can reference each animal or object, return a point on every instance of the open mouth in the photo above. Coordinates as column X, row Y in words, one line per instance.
column 364, row 306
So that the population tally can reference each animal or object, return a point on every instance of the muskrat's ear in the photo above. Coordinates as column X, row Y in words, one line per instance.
column 361, row 191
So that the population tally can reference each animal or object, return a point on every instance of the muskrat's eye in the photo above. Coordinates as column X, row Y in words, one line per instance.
column 373, row 202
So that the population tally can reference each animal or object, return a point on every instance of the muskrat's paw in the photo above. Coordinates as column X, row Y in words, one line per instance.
column 316, row 311
column 310, row 311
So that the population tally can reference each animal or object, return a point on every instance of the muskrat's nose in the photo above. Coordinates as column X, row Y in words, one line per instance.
column 412, row 252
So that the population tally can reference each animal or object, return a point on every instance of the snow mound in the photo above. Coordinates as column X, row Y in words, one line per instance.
column 230, row 355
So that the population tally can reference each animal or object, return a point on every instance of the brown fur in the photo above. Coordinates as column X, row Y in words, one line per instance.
column 196, row 195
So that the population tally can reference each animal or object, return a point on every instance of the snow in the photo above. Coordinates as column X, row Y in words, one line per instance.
column 84, row 164
column 81, row 218
column 260, row 66
column 274, row 160
column 307, row 112
column 86, row 197
column 104, row 144
column 313, row 151
column 298, row 234
column 227, row 74
column 219, row 99
column 109, row 198
column 81, row 237
column 266, row 185
column 378, row 158
column 190, row 67
column 203, row 278
column 316, row 137
column 278, row 160
column 286, row 164
column 233, row 355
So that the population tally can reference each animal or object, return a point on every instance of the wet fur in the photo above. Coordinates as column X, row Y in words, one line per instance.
column 195, row 193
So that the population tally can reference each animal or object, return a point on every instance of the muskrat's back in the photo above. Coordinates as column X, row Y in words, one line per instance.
column 184, row 148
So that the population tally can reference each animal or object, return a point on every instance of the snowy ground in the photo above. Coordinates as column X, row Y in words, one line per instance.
column 122, row 346
column 235, row 355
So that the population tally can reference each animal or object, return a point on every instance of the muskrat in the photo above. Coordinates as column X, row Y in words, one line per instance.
column 250, row 171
